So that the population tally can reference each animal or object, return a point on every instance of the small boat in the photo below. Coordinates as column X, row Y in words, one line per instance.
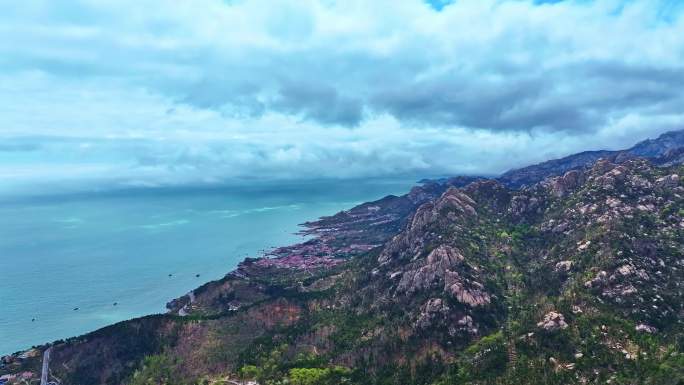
column 197, row 275
column 75, row 308
column 115, row 303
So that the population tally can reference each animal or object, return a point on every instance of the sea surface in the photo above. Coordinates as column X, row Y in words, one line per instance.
column 66, row 260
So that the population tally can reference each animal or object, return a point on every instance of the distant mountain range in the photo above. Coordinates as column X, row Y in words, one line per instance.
column 667, row 149
column 663, row 150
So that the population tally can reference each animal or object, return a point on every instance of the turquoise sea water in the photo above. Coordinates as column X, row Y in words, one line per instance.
column 88, row 251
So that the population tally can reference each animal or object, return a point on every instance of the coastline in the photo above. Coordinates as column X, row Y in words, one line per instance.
column 116, row 266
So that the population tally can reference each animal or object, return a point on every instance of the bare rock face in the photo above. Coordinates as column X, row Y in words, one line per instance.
column 418, row 195
column 669, row 181
column 672, row 157
column 553, row 321
column 411, row 242
column 625, row 270
column 438, row 271
column 564, row 266
column 457, row 200
column 470, row 293
column 436, row 313
column 597, row 281
column 606, row 174
column 619, row 293
column 645, row 328
column 602, row 166
column 521, row 205
column 432, row 312
column 445, row 256
column 562, row 185
column 432, row 273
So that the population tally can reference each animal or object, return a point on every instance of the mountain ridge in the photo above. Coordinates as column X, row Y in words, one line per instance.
column 649, row 148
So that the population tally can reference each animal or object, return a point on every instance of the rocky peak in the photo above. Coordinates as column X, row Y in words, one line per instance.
column 455, row 199
column 452, row 206
column 553, row 321
column 561, row 186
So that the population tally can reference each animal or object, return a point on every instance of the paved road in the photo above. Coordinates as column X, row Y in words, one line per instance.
column 183, row 311
column 46, row 366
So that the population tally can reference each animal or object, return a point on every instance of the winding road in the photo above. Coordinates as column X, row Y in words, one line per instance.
column 46, row 367
column 183, row 311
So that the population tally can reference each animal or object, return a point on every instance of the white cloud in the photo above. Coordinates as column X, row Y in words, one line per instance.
column 160, row 92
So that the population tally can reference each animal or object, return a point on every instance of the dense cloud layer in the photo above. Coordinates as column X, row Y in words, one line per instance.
column 159, row 92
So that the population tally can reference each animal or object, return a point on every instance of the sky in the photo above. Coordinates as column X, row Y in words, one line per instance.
column 98, row 94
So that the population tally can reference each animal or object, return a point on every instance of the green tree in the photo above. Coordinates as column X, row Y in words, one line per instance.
column 156, row 370
column 249, row 372
column 308, row 376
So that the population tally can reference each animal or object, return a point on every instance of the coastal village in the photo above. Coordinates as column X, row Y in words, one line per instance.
column 332, row 241
column 349, row 232
column 19, row 369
